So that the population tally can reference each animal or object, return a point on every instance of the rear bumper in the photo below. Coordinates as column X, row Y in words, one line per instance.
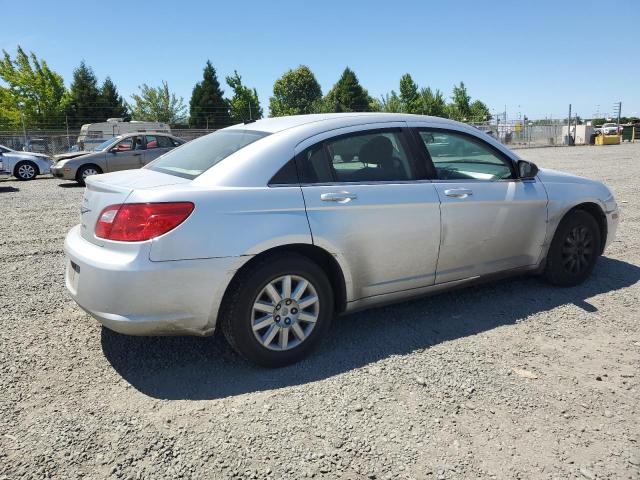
column 128, row 293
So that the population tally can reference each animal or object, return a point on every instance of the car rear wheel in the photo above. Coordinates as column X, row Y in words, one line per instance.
column 87, row 171
column 574, row 250
column 277, row 310
column 25, row 171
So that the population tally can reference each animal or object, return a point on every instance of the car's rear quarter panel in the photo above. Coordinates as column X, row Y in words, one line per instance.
column 229, row 222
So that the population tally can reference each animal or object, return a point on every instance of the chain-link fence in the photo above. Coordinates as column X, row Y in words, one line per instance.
column 513, row 134
column 520, row 135
column 53, row 142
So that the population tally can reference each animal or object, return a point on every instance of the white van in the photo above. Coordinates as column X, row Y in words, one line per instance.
column 93, row 134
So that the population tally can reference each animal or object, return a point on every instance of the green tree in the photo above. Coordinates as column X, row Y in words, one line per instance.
column 83, row 100
column 244, row 104
column 409, row 97
column 158, row 105
column 432, row 103
column 32, row 90
column 479, row 112
column 348, row 95
column 460, row 109
column 390, row 103
column 296, row 92
column 111, row 103
column 207, row 107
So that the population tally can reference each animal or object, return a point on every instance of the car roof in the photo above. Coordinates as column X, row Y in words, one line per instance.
column 150, row 132
column 328, row 121
column 254, row 164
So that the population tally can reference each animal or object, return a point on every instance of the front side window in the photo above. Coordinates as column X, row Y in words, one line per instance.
column 199, row 155
column 459, row 157
column 374, row 156
column 125, row 145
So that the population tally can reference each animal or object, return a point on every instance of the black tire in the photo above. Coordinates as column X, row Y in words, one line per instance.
column 80, row 175
column 237, row 313
column 574, row 250
column 26, row 170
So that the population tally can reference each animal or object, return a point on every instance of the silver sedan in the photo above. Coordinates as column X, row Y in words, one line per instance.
column 270, row 229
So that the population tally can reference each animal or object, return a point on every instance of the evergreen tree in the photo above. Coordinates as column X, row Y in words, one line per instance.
column 460, row 109
column 479, row 112
column 432, row 103
column 348, row 95
column 208, row 108
column 391, row 103
column 409, row 97
column 83, row 103
column 296, row 92
column 111, row 103
column 244, row 104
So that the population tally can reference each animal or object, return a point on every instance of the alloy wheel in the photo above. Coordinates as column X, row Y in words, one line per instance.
column 285, row 312
column 577, row 251
column 87, row 172
column 26, row 171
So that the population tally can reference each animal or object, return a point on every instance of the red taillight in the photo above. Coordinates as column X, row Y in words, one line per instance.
column 136, row 222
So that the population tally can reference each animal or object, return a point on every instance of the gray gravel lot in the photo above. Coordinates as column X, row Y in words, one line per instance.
column 513, row 379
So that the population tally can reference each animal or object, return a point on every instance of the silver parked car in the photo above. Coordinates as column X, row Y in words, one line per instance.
column 270, row 229
column 23, row 165
column 123, row 152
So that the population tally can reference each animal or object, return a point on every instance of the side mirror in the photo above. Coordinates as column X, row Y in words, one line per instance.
column 527, row 169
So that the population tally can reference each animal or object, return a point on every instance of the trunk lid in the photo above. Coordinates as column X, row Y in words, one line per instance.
column 114, row 189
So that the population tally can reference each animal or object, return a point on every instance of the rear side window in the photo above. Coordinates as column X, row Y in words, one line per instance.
column 373, row 156
column 164, row 142
column 152, row 142
column 199, row 155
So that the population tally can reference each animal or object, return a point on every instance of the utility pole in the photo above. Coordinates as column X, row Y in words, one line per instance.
column 619, row 111
column 569, row 127
column 66, row 121
column 250, row 117
column 24, row 129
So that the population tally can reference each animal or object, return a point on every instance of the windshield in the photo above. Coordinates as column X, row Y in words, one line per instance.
column 195, row 157
column 105, row 144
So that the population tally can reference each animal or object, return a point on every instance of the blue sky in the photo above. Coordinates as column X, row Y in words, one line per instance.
column 535, row 57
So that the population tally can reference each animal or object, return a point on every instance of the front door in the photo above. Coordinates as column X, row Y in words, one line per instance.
column 127, row 154
column 366, row 202
column 491, row 220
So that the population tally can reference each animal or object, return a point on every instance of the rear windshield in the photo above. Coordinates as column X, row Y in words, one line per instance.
column 199, row 155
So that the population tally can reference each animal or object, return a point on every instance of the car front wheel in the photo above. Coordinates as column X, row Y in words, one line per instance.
column 87, row 171
column 26, row 171
column 277, row 310
column 574, row 250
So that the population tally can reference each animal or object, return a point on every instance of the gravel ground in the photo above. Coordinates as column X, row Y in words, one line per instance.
column 513, row 379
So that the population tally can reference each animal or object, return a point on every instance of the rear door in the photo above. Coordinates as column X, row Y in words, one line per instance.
column 367, row 201
column 127, row 154
column 156, row 145
column 491, row 220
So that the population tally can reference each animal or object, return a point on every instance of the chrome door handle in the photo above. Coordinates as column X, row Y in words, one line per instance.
column 340, row 197
column 458, row 192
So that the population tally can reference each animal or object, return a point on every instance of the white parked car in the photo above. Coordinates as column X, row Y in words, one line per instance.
column 611, row 129
column 23, row 165
column 270, row 229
